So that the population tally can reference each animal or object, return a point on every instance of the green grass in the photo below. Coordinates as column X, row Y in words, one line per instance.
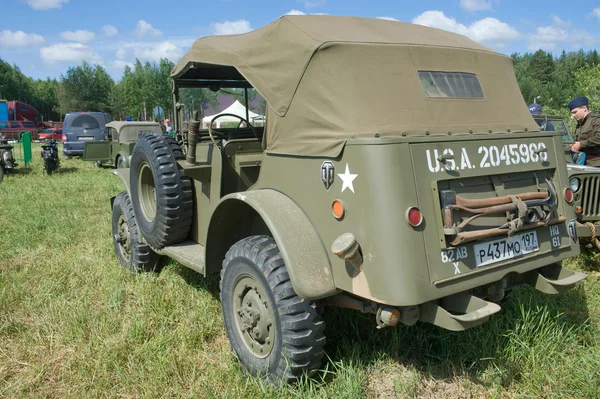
column 74, row 324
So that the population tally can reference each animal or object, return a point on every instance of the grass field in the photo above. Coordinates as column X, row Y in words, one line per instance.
column 74, row 324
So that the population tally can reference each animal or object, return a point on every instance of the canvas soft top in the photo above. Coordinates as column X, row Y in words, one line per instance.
column 327, row 79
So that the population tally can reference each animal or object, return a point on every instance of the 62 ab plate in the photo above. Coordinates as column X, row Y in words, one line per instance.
column 503, row 249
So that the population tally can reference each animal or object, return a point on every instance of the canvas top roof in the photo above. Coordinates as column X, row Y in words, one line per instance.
column 129, row 130
column 327, row 79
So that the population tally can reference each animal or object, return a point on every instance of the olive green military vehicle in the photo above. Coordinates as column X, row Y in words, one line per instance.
column 120, row 140
column 399, row 173
column 584, row 181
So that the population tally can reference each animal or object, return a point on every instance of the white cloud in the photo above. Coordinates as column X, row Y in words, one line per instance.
column 19, row 39
column 476, row 5
column 120, row 64
column 45, row 4
column 156, row 51
column 231, row 27
column 487, row 30
column 81, row 36
column 555, row 36
column 388, row 18
column 596, row 12
column 120, row 54
column 559, row 22
column 295, row 12
column 71, row 52
column 109, row 30
column 143, row 29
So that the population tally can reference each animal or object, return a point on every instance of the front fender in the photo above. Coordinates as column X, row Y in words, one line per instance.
column 123, row 174
column 300, row 246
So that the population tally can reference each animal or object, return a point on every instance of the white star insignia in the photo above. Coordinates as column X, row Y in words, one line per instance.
column 347, row 179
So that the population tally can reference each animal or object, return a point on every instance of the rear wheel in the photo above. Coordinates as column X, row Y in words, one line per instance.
column 273, row 331
column 131, row 253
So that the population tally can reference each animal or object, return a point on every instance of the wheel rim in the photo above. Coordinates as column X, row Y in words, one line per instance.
column 254, row 316
column 147, row 191
column 123, row 237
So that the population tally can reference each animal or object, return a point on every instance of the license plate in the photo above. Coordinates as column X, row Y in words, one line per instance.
column 86, row 138
column 503, row 249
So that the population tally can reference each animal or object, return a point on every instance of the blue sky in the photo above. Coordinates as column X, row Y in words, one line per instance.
column 45, row 37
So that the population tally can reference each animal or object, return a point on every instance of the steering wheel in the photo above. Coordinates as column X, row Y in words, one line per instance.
column 242, row 120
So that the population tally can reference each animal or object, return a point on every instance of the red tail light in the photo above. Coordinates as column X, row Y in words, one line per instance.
column 568, row 195
column 414, row 216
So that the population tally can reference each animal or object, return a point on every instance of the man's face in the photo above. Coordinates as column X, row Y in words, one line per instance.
column 580, row 112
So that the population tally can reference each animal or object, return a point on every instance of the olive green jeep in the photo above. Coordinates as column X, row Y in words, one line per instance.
column 121, row 137
column 399, row 173
column 584, row 181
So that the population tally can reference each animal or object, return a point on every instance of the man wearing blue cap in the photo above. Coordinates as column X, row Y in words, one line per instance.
column 587, row 131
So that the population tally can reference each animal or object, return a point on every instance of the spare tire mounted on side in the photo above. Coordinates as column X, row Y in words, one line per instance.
column 162, row 198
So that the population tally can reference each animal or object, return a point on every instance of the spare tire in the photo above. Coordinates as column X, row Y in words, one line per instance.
column 162, row 199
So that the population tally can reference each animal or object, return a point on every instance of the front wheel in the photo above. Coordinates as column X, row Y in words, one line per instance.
column 120, row 162
column 131, row 253
column 273, row 332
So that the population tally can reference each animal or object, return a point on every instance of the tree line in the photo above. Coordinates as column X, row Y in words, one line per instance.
column 550, row 80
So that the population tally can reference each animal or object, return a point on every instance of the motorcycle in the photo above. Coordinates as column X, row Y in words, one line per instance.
column 7, row 161
column 50, row 155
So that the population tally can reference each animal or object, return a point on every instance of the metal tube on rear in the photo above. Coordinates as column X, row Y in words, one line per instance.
column 192, row 139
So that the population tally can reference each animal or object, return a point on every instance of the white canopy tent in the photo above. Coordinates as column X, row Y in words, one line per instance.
column 236, row 109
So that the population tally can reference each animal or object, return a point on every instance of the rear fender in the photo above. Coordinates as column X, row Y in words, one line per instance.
column 270, row 212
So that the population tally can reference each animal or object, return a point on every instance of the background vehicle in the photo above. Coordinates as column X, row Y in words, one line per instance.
column 121, row 139
column 81, row 127
column 427, row 206
column 19, row 111
column 3, row 111
column 6, row 157
column 13, row 129
column 51, row 133
column 50, row 155
column 583, row 180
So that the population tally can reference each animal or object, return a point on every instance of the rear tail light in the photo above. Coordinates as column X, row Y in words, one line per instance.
column 414, row 217
column 568, row 195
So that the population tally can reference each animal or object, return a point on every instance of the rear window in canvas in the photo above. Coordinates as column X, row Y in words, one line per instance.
column 450, row 84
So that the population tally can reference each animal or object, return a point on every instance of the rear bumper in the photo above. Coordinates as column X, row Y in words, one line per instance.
column 73, row 147
column 583, row 231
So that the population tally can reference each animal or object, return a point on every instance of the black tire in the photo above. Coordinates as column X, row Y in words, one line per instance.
column 1, row 173
column 254, row 281
column 131, row 253
column 162, row 199
column 120, row 164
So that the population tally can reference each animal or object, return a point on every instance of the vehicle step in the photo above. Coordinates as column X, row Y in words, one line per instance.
column 467, row 311
column 188, row 253
column 553, row 279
